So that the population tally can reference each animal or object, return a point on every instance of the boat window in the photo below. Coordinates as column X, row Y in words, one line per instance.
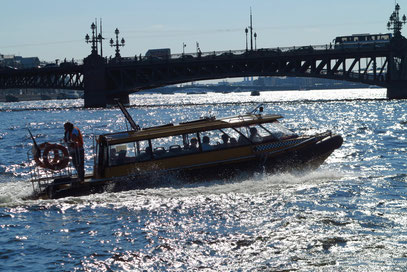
column 190, row 143
column 129, row 152
column 143, row 151
column 243, row 138
column 258, row 134
column 175, row 145
column 252, row 134
column 220, row 139
column 210, row 140
column 278, row 131
column 231, row 139
column 118, row 153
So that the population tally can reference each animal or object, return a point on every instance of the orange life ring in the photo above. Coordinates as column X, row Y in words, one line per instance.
column 37, row 155
column 57, row 162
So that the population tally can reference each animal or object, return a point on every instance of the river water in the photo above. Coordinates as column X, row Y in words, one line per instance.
column 349, row 215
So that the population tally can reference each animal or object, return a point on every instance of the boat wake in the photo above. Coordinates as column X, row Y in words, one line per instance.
column 13, row 192
column 253, row 184
column 17, row 192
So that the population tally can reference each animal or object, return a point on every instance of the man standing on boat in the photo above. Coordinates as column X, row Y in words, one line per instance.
column 73, row 138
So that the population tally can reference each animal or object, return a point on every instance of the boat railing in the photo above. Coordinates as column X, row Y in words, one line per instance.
column 41, row 177
column 324, row 134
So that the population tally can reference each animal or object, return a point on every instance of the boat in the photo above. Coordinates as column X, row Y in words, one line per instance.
column 255, row 93
column 196, row 92
column 206, row 148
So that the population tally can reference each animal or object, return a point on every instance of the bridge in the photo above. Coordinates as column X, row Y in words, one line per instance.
column 103, row 80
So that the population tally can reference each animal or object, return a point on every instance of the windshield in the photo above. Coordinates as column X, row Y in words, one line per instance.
column 279, row 131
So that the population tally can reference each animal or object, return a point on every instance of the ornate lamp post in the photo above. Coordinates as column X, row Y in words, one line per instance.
column 117, row 44
column 250, row 27
column 246, row 31
column 93, row 40
column 100, row 38
column 395, row 23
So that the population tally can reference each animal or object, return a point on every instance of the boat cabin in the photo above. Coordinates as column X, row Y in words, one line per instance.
column 174, row 146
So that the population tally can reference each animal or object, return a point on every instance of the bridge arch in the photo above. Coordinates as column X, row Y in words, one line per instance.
column 103, row 81
column 369, row 66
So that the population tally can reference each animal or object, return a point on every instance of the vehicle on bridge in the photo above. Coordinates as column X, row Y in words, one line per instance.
column 360, row 40
column 162, row 53
column 189, row 151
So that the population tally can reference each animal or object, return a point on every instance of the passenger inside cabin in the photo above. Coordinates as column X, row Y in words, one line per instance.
column 242, row 140
column 225, row 139
column 254, row 135
column 205, row 144
column 193, row 144
column 233, row 141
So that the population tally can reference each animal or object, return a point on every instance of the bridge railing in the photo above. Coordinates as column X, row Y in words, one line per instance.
column 226, row 53
column 61, row 63
column 208, row 54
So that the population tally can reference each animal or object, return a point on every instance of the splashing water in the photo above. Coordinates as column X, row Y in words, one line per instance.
column 350, row 214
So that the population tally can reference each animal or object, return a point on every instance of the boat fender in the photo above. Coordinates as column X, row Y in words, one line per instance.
column 58, row 162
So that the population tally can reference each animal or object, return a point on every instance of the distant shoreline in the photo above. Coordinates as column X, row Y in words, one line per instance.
column 17, row 95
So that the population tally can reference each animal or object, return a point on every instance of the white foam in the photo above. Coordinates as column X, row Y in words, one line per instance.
column 258, row 183
column 15, row 193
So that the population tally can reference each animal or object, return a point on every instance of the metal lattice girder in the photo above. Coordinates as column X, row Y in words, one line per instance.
column 41, row 78
column 365, row 64
column 334, row 64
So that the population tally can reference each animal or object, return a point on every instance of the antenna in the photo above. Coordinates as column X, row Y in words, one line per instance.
column 251, row 29
column 96, row 34
column 101, row 38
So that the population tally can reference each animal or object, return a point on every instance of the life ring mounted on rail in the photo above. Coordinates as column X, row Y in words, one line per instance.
column 54, row 156
column 37, row 154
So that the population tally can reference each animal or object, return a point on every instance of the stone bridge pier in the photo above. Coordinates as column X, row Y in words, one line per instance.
column 96, row 89
column 397, row 70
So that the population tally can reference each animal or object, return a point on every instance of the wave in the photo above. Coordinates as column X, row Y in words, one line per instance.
column 14, row 192
column 246, row 184
column 17, row 192
column 213, row 99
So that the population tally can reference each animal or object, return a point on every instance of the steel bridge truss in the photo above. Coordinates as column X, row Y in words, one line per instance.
column 41, row 78
column 366, row 65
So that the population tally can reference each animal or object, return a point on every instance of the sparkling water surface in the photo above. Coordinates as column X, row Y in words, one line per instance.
column 349, row 215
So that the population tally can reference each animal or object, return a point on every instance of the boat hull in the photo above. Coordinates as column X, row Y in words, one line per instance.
column 265, row 157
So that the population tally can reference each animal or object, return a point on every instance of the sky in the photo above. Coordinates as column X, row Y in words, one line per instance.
column 56, row 29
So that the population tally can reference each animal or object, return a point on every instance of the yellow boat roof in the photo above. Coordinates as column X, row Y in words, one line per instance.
column 205, row 124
